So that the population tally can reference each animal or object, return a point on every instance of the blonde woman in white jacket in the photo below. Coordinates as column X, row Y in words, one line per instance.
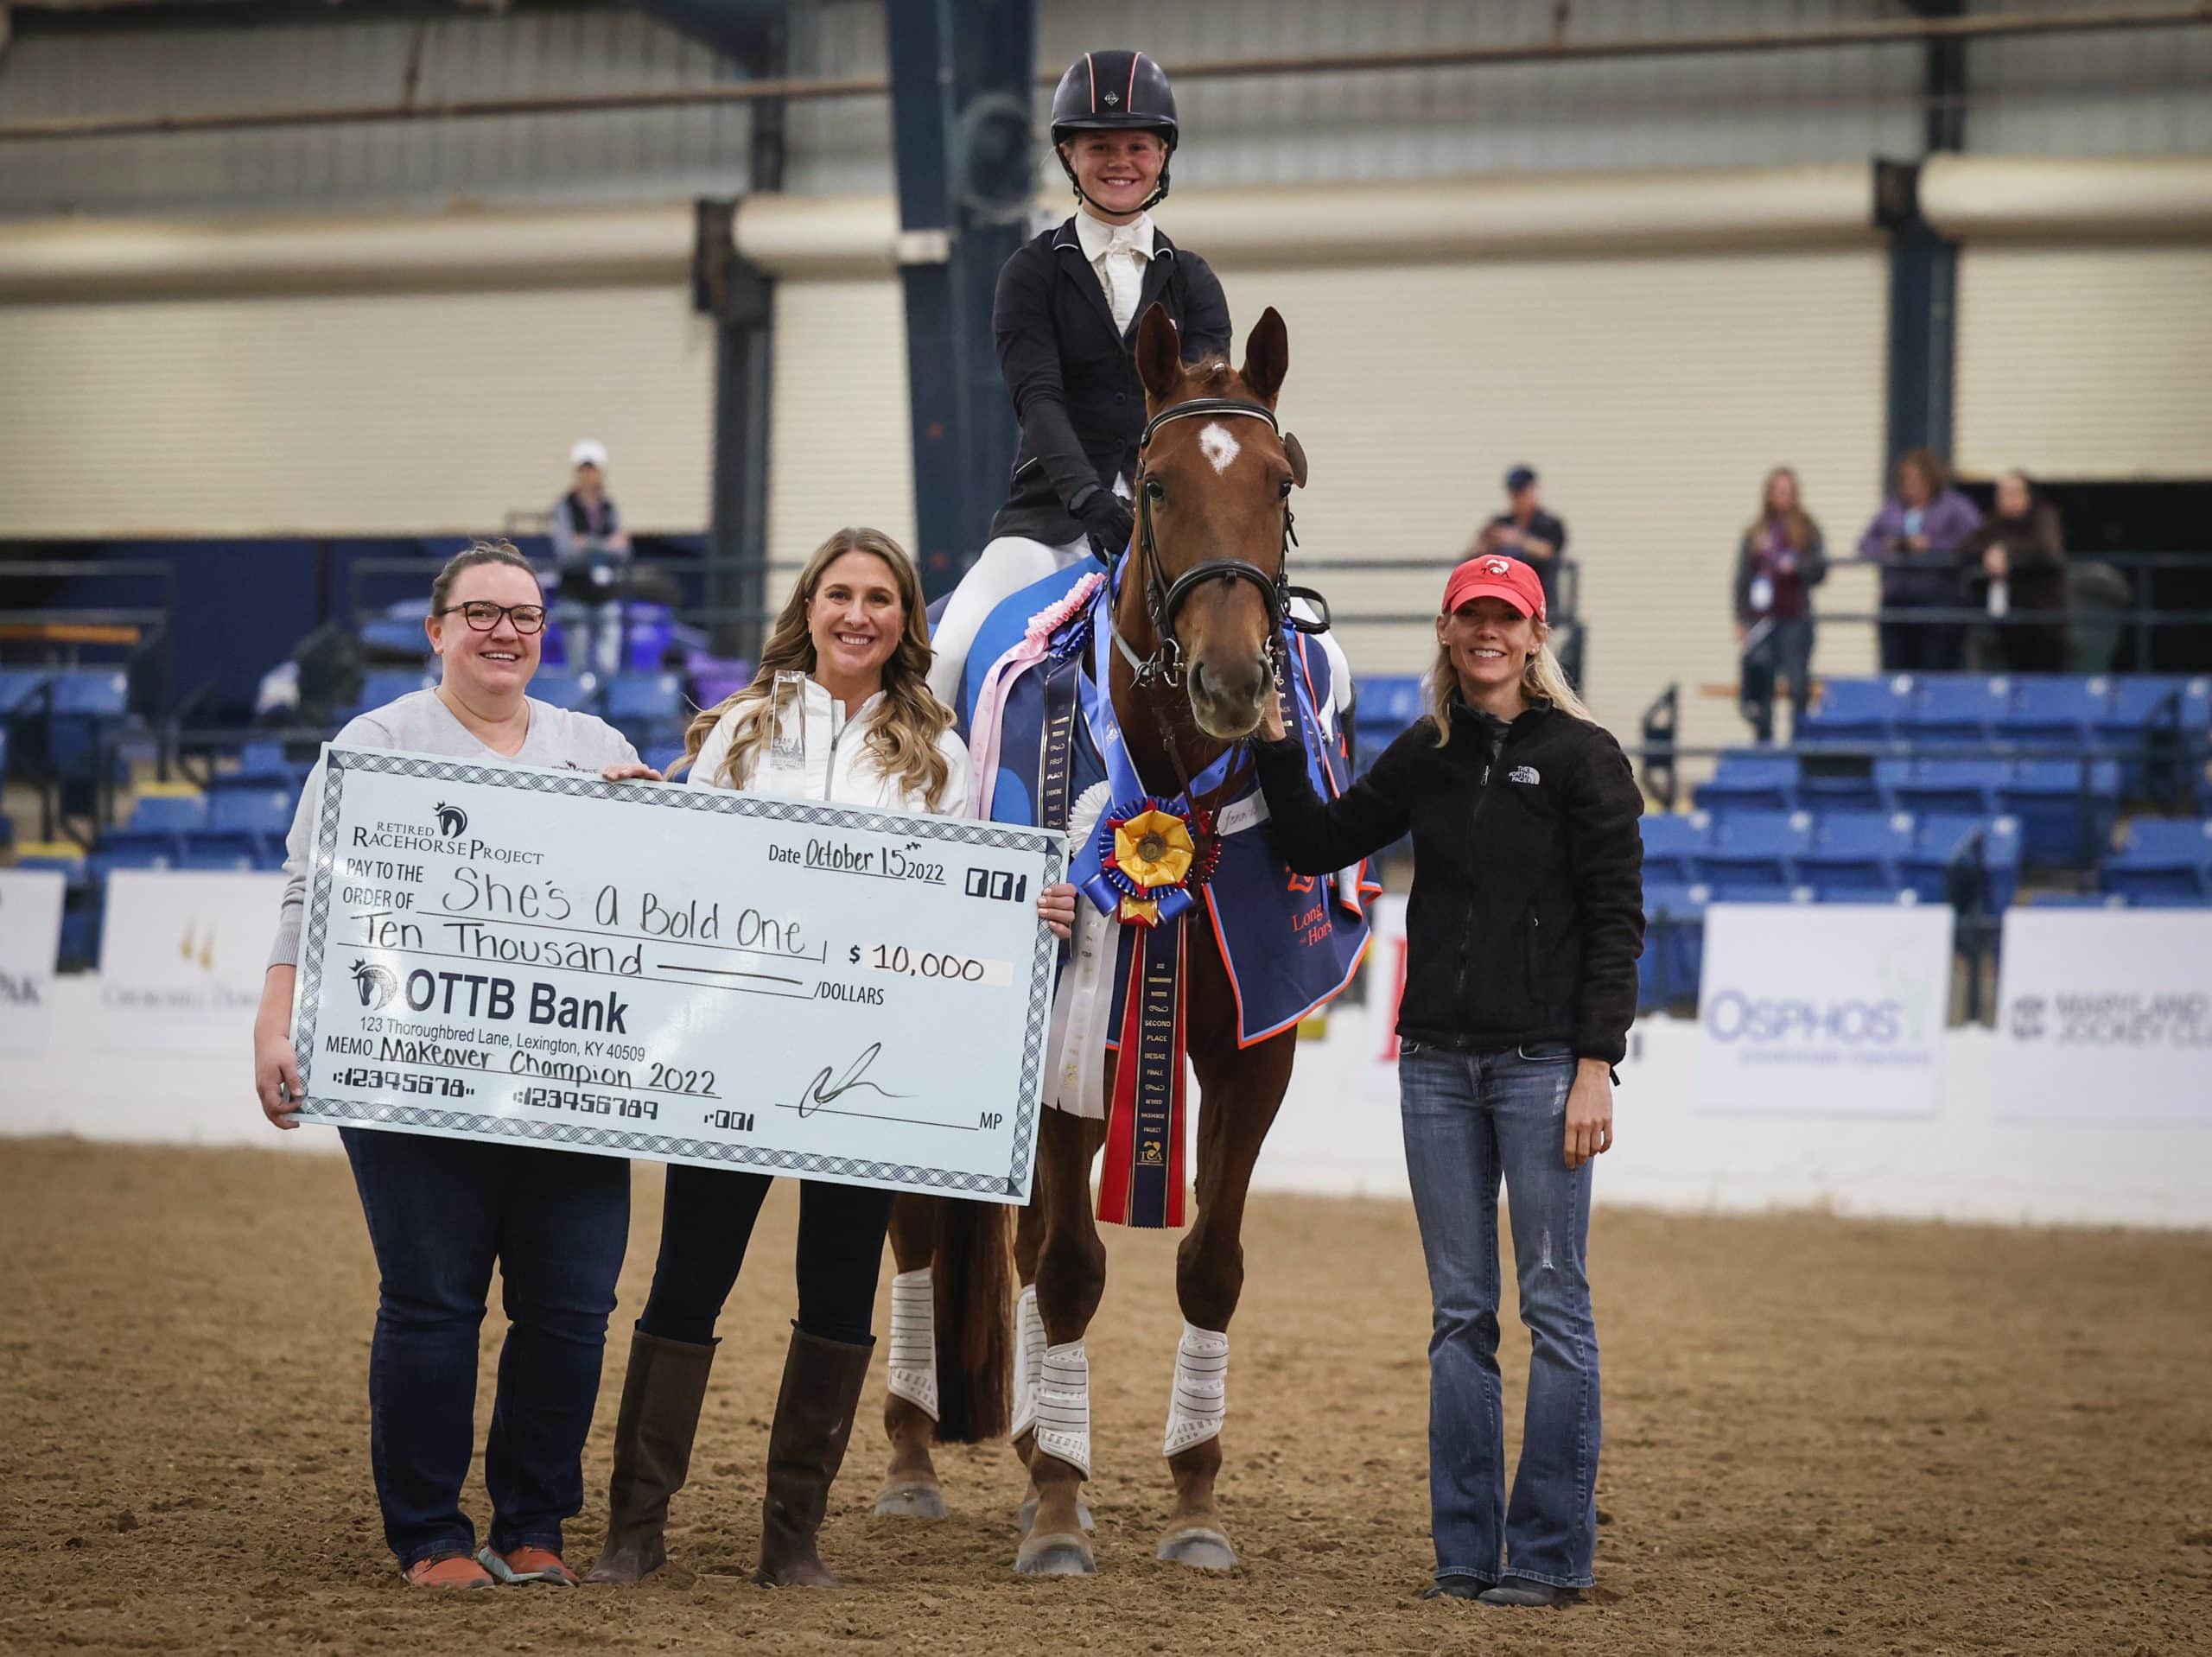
column 874, row 737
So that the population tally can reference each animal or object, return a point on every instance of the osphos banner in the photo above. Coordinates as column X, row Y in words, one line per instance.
column 1832, row 1010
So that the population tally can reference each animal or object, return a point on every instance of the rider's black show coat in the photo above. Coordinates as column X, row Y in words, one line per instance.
column 1072, row 376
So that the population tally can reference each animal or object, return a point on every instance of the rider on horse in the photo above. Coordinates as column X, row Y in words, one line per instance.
column 1066, row 317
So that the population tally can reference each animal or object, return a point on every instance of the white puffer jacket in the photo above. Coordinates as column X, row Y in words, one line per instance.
column 840, row 768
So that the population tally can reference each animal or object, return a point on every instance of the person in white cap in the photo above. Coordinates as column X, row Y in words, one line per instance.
column 591, row 551
column 584, row 521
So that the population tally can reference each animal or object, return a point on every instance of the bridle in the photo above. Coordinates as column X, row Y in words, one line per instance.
column 1163, row 598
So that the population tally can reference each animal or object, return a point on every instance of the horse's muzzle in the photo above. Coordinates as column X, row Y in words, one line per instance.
column 1226, row 692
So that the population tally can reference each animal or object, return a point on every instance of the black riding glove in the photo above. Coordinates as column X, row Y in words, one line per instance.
column 1109, row 521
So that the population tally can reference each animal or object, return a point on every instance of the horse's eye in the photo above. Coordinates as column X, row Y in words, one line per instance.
column 1154, row 489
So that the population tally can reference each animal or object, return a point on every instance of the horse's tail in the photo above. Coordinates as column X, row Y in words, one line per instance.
column 972, row 1270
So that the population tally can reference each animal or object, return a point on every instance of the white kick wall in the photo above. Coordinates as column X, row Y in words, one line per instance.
column 1338, row 1133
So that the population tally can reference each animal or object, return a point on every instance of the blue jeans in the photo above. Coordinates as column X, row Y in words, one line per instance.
column 440, row 1213
column 1471, row 1119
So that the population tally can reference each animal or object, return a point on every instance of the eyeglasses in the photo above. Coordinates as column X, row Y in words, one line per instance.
column 484, row 615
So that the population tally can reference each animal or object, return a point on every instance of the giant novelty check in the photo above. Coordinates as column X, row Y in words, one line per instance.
column 506, row 953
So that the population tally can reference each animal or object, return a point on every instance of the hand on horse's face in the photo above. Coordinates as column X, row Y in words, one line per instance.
column 1271, row 725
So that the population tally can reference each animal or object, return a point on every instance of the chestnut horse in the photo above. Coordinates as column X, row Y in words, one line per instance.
column 1200, row 611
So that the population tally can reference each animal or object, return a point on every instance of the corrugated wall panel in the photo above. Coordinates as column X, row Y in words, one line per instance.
column 839, row 451
column 1652, row 394
column 2085, row 361
column 398, row 414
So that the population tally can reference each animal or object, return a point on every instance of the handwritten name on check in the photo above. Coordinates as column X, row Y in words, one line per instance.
column 506, row 953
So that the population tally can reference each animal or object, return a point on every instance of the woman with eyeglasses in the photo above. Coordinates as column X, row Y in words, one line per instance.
column 441, row 1212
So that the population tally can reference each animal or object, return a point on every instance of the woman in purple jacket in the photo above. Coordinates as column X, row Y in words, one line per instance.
column 1915, row 537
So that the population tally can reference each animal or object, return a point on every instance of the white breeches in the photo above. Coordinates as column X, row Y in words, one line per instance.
column 913, row 1341
column 1200, row 1399
column 1003, row 568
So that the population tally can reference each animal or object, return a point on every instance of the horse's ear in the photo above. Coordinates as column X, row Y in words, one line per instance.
column 1266, row 356
column 1296, row 452
column 1159, row 353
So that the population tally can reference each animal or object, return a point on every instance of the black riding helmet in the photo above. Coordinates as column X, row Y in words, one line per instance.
column 1109, row 91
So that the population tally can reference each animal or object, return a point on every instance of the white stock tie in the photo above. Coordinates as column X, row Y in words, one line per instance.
column 1123, row 266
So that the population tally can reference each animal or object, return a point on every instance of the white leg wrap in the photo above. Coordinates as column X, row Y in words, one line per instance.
column 1029, row 1360
column 1064, row 1406
column 1201, row 1394
column 913, row 1341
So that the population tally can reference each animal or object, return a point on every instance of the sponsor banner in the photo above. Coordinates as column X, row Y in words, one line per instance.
column 182, row 955
column 2105, row 1015
column 30, row 936
column 1837, row 1009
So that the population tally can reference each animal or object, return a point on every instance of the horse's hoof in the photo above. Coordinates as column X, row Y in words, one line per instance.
column 1055, row 1556
column 1201, row 1550
column 1027, row 1516
column 912, row 1499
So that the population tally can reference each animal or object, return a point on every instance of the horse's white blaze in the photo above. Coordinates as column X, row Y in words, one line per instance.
column 1217, row 445
column 913, row 1341
column 1029, row 1360
column 1201, row 1395
column 1064, row 1405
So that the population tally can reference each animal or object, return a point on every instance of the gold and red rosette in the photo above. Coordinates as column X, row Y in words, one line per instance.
column 1149, row 860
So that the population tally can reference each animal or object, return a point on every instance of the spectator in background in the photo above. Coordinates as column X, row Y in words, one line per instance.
column 591, row 555
column 1778, row 562
column 1915, row 537
column 2016, row 560
column 1525, row 530
column 584, row 520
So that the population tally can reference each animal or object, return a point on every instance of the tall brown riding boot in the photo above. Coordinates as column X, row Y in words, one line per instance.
column 661, row 1395
column 814, row 1419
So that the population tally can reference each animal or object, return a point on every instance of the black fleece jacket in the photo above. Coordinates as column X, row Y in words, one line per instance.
column 1525, row 917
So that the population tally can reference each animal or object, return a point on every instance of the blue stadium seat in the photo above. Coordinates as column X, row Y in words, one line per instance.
column 1758, row 892
column 1755, row 850
column 2056, row 709
column 263, row 765
column 1837, row 782
column 570, row 691
column 1856, row 852
column 221, row 851
column 18, row 685
column 124, row 849
column 1673, row 953
column 382, row 685
column 2136, row 698
column 1862, row 711
column 2061, row 825
column 1958, row 786
column 1751, row 779
column 168, row 813
column 2159, row 858
column 90, row 692
column 1956, row 707
column 1941, row 837
column 251, row 811
column 1672, row 843
column 632, row 698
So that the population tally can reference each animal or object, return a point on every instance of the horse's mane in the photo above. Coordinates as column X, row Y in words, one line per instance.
column 1210, row 376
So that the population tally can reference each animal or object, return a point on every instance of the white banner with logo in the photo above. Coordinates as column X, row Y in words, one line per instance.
column 182, row 955
column 1836, row 1009
column 30, row 936
column 2105, row 1015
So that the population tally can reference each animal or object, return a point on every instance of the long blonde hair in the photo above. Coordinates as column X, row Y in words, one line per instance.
column 903, row 736
column 1541, row 681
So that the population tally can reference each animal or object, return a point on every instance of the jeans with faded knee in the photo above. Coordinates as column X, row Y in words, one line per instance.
column 1473, row 1120
column 442, row 1213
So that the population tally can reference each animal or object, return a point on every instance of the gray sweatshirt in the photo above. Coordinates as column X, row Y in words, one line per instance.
column 419, row 723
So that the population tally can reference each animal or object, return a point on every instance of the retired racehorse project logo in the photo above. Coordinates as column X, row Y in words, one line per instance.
column 376, row 985
column 453, row 822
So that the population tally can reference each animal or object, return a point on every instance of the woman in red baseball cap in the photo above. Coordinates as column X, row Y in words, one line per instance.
column 1522, row 931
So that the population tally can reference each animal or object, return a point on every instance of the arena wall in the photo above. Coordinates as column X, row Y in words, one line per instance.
column 1338, row 1134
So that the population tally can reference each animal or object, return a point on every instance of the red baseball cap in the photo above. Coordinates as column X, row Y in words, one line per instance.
column 1493, row 576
